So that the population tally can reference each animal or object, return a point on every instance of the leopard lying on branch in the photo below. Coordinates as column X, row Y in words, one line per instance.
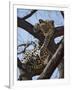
column 36, row 64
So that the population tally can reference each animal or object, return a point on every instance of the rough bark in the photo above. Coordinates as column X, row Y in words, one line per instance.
column 61, row 65
column 24, row 74
column 61, row 68
column 53, row 63
column 29, row 28
column 20, row 65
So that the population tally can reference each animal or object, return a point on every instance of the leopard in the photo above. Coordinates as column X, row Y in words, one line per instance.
column 41, row 60
column 47, row 28
column 36, row 64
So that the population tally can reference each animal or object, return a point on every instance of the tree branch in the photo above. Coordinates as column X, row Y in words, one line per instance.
column 28, row 27
column 53, row 63
column 59, row 31
column 26, row 46
column 61, row 68
column 62, row 13
column 24, row 75
column 20, row 65
column 30, row 14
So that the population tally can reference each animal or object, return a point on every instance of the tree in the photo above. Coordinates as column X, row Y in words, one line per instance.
column 56, row 49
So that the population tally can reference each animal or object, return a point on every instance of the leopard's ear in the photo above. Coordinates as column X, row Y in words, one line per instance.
column 52, row 22
column 41, row 21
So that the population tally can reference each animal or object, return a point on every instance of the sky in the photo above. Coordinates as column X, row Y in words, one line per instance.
column 24, row 36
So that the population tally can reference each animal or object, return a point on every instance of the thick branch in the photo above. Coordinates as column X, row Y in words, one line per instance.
column 61, row 69
column 24, row 75
column 28, row 27
column 53, row 63
column 59, row 31
column 19, row 64
column 29, row 15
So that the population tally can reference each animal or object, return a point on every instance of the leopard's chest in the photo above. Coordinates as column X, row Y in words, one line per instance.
column 43, row 53
column 35, row 65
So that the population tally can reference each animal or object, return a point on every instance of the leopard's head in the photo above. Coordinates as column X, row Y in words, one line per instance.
column 46, row 26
